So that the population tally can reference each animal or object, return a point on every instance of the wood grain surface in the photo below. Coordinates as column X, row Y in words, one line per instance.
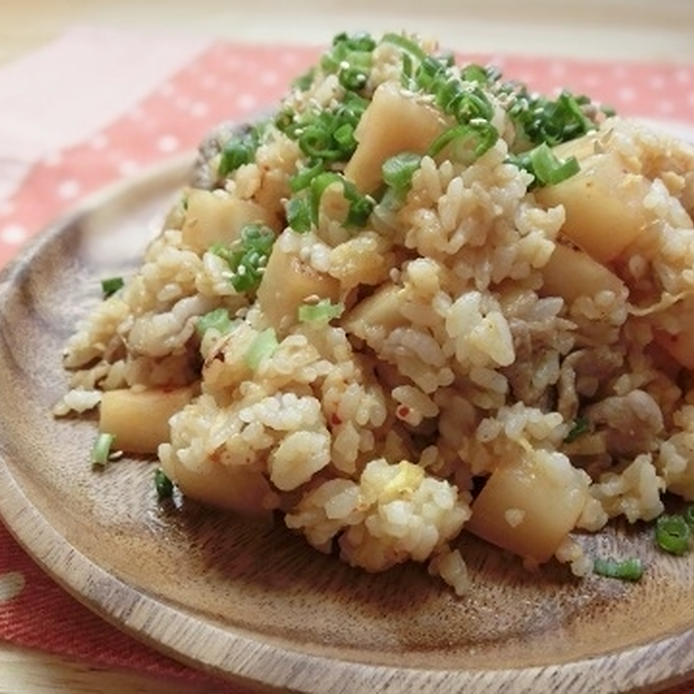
column 253, row 601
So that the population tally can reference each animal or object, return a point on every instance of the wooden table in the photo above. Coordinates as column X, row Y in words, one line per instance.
column 617, row 29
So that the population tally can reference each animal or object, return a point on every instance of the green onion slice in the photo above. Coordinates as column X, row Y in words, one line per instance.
column 162, row 484
column 544, row 165
column 247, row 256
column 262, row 347
column 111, row 285
column 581, row 426
column 468, row 141
column 299, row 214
column 474, row 73
column 353, row 78
column 218, row 320
column 627, row 570
column 398, row 170
column 240, row 149
column 303, row 178
column 360, row 206
column 548, row 169
column 406, row 45
column 322, row 312
column 689, row 516
column 672, row 534
column 102, row 448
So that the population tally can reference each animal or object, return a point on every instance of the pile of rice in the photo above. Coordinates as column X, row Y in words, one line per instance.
column 373, row 433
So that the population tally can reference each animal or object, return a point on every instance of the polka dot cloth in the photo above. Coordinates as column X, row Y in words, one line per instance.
column 226, row 81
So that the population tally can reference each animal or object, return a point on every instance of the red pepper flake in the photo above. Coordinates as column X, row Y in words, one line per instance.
column 335, row 420
column 403, row 411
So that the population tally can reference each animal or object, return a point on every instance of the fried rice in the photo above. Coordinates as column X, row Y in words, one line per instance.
column 385, row 340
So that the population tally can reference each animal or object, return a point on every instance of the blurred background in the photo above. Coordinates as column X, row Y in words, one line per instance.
column 629, row 29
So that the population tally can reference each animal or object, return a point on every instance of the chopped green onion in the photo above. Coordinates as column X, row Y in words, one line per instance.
column 299, row 214
column 429, row 73
column 627, row 570
column 162, row 484
column 360, row 41
column 344, row 136
column 474, row 73
column 262, row 347
column 316, row 141
column 350, row 57
column 325, row 135
column 303, row 82
column 318, row 187
column 239, row 150
column 111, row 285
column 102, row 448
column 406, row 45
column 247, row 256
column 581, row 426
column 218, row 320
column 322, row 312
column 539, row 120
column 672, row 534
column 303, row 178
column 353, row 78
column 360, row 206
column 608, row 110
column 689, row 516
column 469, row 141
column 398, row 170
column 546, row 168
column 407, row 73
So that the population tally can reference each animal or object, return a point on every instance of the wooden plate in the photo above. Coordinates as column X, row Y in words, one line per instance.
column 254, row 602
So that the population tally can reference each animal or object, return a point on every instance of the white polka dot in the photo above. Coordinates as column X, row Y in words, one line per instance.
column 167, row 143
column 68, row 189
column 269, row 77
column 656, row 82
column 683, row 76
column 181, row 102
column 556, row 91
column 497, row 61
column 246, row 101
column 626, row 94
column 288, row 58
column 13, row 234
column 11, row 585
column 166, row 89
column 53, row 159
column 591, row 80
column 99, row 141
column 128, row 167
column 557, row 69
column 665, row 106
column 199, row 109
